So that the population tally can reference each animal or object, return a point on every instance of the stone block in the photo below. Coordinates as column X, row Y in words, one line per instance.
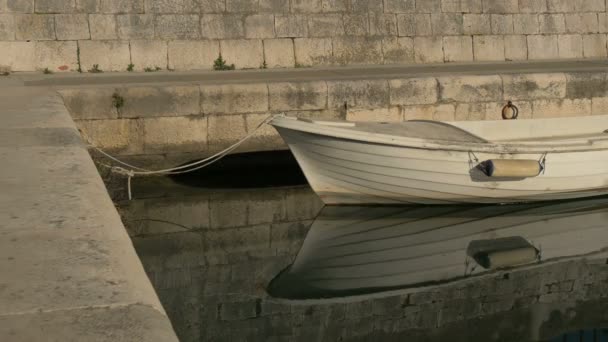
column 534, row 86
column 428, row 6
column 428, row 49
column 603, row 22
column 418, row 112
column 135, row 26
column 489, row 48
column 274, row 6
column 590, row 5
column 552, row 23
column 171, row 6
column 461, row 6
column 599, row 106
column 87, row 104
column 102, row 26
column 236, row 6
column 582, row 23
column 17, row 56
column 278, row 53
column 177, row 26
column 286, row 96
column 586, row 84
column 542, row 47
column 18, row 6
column 406, row 25
column 7, row 27
column 413, row 91
column 259, row 26
column 54, row 6
column 594, row 45
column 525, row 23
column 213, row 6
column 72, row 26
column 306, row 6
column 447, row 24
column 365, row 6
column 325, row 25
column 423, row 24
column 500, row 6
column 356, row 24
column 225, row 130
column 244, row 53
column 121, row 6
column 34, row 27
column 444, row 112
column 234, row 98
column 313, row 51
column 399, row 6
column 457, row 49
column 56, row 55
column 570, row 46
column 144, row 102
column 561, row 108
column 171, row 134
column 560, row 6
column 149, row 53
column 222, row 26
column 475, row 24
column 291, row 25
column 110, row 55
column 398, row 50
column 382, row 24
column 192, row 55
column 392, row 114
column 88, row 6
column 502, row 23
column 533, row 6
column 357, row 50
column 470, row 88
column 358, row 94
column 112, row 135
column 516, row 48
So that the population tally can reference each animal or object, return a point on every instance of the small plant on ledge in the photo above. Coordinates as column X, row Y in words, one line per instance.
column 118, row 101
column 220, row 64
column 149, row 69
column 46, row 71
column 95, row 69
column 130, row 67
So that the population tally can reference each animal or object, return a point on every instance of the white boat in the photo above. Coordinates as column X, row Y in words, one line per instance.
column 434, row 162
column 358, row 249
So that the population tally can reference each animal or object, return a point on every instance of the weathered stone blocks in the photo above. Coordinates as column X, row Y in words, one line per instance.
column 502, row 24
column 102, row 26
column 298, row 95
column 382, row 24
column 291, row 25
column 489, row 48
column 534, row 86
column 149, row 53
column 457, row 48
column 476, row 24
column 532, row 6
column 594, row 45
column 19, row 6
column 542, row 47
column 516, row 47
column 358, row 94
column 7, row 27
column 392, row 114
column 279, row 53
column 122, row 136
column 500, row 6
column 470, row 88
column 428, row 49
column 357, row 50
column 259, row 26
column 244, row 53
column 398, row 50
column 525, row 24
column 17, row 56
column 188, row 55
column 581, row 23
column 121, row 6
column 447, row 24
column 160, row 101
column 135, row 26
column 177, row 26
column 561, row 108
column 72, row 27
column 406, row 25
column 356, row 24
column 110, row 55
column 54, row 6
column 56, row 55
column 325, row 25
column 86, row 104
column 34, row 27
column 399, row 6
column 171, row 6
column 234, row 98
column 171, row 134
column 313, row 51
column 224, row 130
column 570, row 46
column 222, row 26
column 411, row 91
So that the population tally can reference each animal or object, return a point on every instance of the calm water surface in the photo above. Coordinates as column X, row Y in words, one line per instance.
column 255, row 265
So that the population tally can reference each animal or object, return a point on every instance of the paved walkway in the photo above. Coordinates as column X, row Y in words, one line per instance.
column 68, row 270
column 311, row 74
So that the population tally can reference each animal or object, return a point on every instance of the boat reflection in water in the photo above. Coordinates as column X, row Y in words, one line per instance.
column 354, row 250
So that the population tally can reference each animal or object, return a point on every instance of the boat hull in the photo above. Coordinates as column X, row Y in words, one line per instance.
column 344, row 171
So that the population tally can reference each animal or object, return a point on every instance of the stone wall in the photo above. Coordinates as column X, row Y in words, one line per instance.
column 169, row 124
column 64, row 35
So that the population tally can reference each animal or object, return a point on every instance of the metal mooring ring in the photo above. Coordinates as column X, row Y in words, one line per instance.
column 514, row 111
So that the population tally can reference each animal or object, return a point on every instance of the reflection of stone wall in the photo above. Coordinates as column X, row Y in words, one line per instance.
column 169, row 120
column 188, row 34
column 212, row 282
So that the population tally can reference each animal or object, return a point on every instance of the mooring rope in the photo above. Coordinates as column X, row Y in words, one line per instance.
column 131, row 170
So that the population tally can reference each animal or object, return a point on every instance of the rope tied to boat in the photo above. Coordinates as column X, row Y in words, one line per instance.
column 131, row 171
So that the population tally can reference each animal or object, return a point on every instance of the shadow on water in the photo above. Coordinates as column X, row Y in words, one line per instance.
column 219, row 259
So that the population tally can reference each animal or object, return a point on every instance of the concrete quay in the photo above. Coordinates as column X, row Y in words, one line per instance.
column 69, row 270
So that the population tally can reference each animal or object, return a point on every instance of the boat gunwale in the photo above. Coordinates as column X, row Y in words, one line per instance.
column 556, row 146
